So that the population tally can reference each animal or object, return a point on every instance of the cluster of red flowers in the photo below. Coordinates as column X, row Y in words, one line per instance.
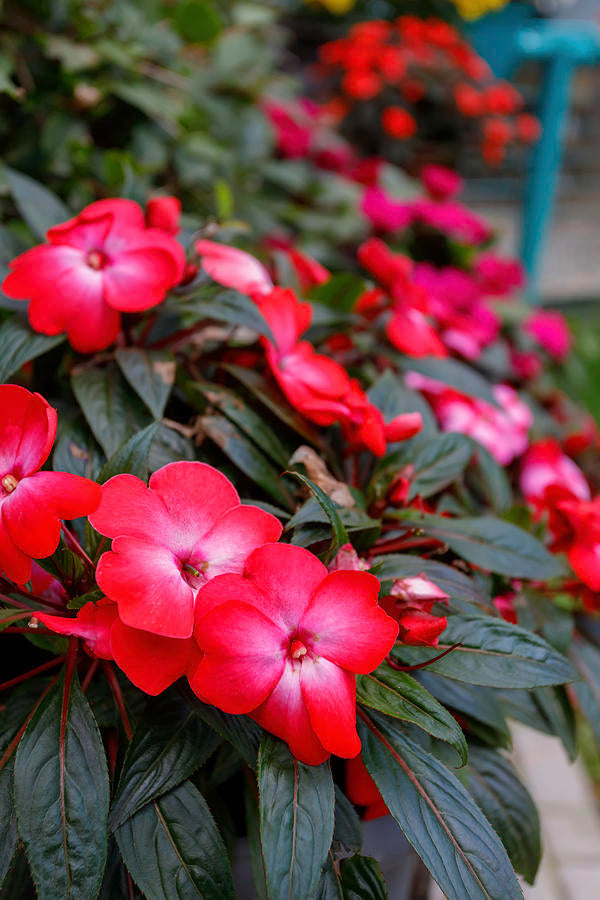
column 394, row 67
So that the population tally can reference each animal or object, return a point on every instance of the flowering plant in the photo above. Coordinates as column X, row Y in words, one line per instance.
column 297, row 538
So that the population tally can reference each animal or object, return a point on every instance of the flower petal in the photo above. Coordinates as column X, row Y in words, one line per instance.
column 288, row 576
column 27, row 431
column 128, row 506
column 330, row 697
column 150, row 661
column 139, row 278
column 284, row 714
column 348, row 625
column 15, row 564
column 244, row 657
column 93, row 623
column 145, row 580
column 235, row 535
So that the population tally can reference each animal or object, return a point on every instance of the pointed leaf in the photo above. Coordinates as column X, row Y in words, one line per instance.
column 229, row 307
column 174, row 851
column 8, row 821
column 151, row 373
column 296, row 820
column 438, row 816
column 240, row 731
column 339, row 533
column 40, row 208
column 113, row 412
column 19, row 344
column 347, row 830
column 76, row 450
column 362, row 877
column 63, row 825
column 398, row 694
column 451, row 580
column 480, row 704
column 132, row 457
column 492, row 652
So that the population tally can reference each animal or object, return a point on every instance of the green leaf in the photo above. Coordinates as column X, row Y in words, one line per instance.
column 560, row 715
column 493, row 653
column 132, row 457
column 40, row 208
column 480, row 704
column 62, row 795
column 347, row 830
column 586, row 658
column 340, row 292
column 296, row 820
column 398, row 694
column 507, row 806
column 229, row 307
column 437, row 463
column 458, row 375
column 240, row 731
column 169, row 743
column 438, row 817
column 77, row 451
column 8, row 824
column 253, row 831
column 151, row 373
column 492, row 480
column 392, row 398
column 330, row 886
column 113, row 413
column 173, row 848
column 362, row 877
column 246, row 455
column 451, row 580
column 339, row 534
column 491, row 544
column 197, row 21
column 19, row 344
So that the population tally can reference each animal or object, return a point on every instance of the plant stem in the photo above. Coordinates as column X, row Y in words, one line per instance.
column 118, row 695
column 76, row 546
column 32, row 672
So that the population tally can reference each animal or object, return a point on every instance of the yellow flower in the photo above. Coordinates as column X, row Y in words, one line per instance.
column 474, row 9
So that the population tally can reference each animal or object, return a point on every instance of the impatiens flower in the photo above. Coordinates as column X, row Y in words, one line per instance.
column 505, row 604
column 234, row 268
column 169, row 539
column 498, row 276
column 545, row 465
column 551, row 331
column 385, row 213
column 283, row 643
column 45, row 586
column 410, row 602
column 310, row 272
column 362, row 790
column 152, row 662
column 347, row 558
column 32, row 503
column 575, row 525
column 94, row 267
column 441, row 182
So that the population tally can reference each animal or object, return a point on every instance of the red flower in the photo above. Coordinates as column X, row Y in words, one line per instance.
column 468, row 99
column 150, row 661
column 529, row 128
column 310, row 272
column 545, row 465
column 398, row 122
column 505, row 604
column 32, row 503
column 362, row 790
column 502, row 98
column 551, row 331
column 170, row 538
column 283, row 644
column 441, row 182
column 575, row 525
column 95, row 266
column 163, row 213
column 361, row 84
column 410, row 602
column 234, row 268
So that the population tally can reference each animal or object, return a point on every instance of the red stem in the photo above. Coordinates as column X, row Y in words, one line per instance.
column 89, row 675
column 15, row 741
column 76, row 546
column 406, row 544
column 32, row 672
column 117, row 694
column 394, row 665
column 12, row 630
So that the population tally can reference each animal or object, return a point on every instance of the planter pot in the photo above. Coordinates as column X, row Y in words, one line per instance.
column 403, row 871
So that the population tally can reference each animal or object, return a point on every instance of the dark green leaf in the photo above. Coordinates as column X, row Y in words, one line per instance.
column 480, row 704
column 253, row 830
column 347, row 830
column 296, row 820
column 228, row 307
column 559, row 713
column 18, row 883
column 169, row 743
column 391, row 396
column 114, row 883
column 169, row 446
column 132, row 457
column 40, row 208
column 339, row 534
column 340, row 292
column 151, row 373
column 493, row 653
column 438, row 817
column 492, row 480
column 246, row 455
column 240, row 731
column 451, row 580
column 586, row 658
column 63, row 825
column 113, row 413
column 456, row 374
column 8, row 823
column 197, row 21
column 491, row 544
column 173, row 849
column 361, row 878
column 77, row 451
column 398, row 694
column 437, row 463
column 19, row 344
column 330, row 886
column 507, row 806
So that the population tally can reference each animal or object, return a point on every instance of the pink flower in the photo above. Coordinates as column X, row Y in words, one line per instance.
column 505, row 604
column 440, row 182
column 550, row 329
column 294, row 124
column 169, row 539
column 418, row 588
column 410, row 602
column 45, row 586
column 234, row 268
column 95, row 266
column 452, row 219
column 498, row 276
column 347, row 558
column 544, row 465
column 310, row 272
column 385, row 213
column 283, row 644
column 33, row 503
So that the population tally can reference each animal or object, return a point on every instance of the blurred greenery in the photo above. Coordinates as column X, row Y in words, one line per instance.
column 580, row 374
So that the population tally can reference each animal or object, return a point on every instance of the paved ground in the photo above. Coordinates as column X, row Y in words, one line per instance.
column 570, row 868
